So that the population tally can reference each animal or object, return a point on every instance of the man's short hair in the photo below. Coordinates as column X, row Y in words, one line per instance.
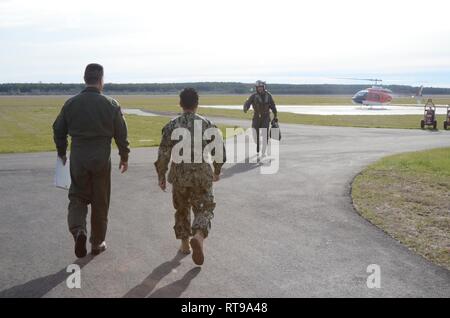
column 189, row 98
column 93, row 74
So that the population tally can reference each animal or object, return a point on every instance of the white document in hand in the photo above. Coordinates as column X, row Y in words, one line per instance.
column 62, row 174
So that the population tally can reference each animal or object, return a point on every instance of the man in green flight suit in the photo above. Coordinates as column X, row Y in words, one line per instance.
column 92, row 120
column 192, row 176
column 262, row 102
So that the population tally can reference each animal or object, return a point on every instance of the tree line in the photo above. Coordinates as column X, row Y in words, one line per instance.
column 206, row 88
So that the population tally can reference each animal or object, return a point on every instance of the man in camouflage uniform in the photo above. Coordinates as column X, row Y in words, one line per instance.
column 92, row 120
column 191, row 181
column 262, row 103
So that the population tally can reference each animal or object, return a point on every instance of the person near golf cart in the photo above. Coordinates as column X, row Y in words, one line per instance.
column 262, row 102
column 447, row 118
column 429, row 116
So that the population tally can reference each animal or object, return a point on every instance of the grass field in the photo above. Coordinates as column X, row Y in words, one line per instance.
column 26, row 125
column 408, row 196
column 29, row 129
column 25, row 121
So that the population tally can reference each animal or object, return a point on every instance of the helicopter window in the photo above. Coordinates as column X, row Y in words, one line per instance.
column 362, row 93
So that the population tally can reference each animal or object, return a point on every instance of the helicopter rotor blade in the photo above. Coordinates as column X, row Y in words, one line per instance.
column 361, row 79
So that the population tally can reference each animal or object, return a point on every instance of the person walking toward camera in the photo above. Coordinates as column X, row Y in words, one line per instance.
column 262, row 102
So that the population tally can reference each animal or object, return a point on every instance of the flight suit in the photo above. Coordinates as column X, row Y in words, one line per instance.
column 92, row 120
column 191, row 181
column 262, row 104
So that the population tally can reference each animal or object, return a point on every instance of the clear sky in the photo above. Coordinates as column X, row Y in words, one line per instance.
column 402, row 42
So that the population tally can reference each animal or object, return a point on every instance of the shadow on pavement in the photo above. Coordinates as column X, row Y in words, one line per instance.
column 176, row 288
column 38, row 287
column 149, row 283
column 240, row 167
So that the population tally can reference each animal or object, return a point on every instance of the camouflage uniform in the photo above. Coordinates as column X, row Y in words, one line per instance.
column 262, row 104
column 92, row 120
column 191, row 182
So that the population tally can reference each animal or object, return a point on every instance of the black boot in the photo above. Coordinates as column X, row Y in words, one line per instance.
column 80, row 244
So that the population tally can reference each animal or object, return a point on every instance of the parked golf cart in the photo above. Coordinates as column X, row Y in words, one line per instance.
column 447, row 118
column 429, row 115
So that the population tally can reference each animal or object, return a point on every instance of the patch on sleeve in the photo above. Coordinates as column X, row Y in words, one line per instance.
column 114, row 102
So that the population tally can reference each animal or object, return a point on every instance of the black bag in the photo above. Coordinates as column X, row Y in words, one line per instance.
column 274, row 124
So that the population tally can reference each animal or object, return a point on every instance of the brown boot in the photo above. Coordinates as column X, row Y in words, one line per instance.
column 97, row 249
column 197, row 248
column 185, row 248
